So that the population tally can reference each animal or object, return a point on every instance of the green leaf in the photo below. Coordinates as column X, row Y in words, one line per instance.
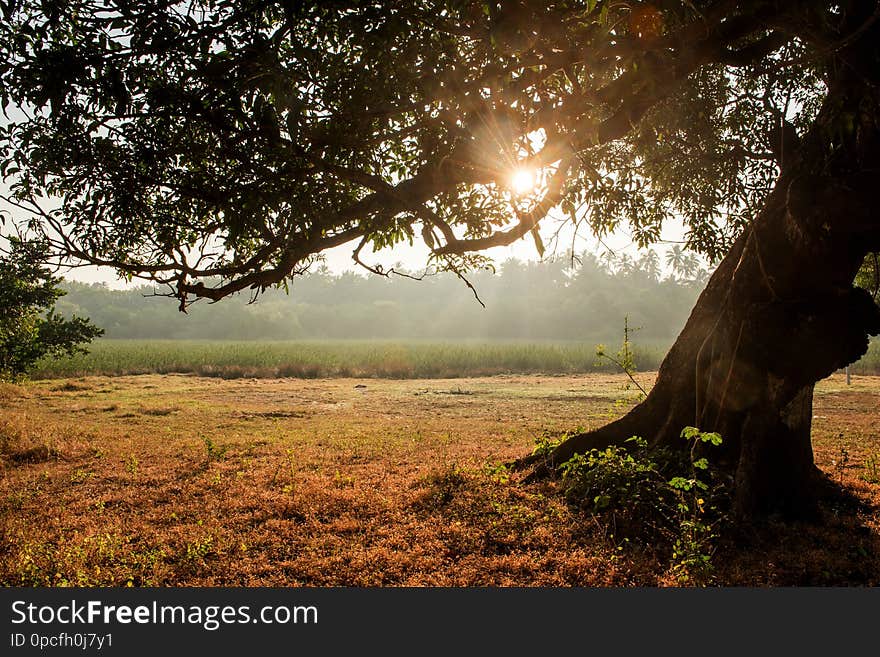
column 681, row 483
column 713, row 438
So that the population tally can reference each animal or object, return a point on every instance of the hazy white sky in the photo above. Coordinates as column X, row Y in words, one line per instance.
column 413, row 258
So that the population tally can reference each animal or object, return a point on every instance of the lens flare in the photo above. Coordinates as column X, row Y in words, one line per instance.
column 522, row 181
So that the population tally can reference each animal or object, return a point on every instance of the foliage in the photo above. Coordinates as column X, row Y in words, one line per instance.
column 214, row 451
column 872, row 469
column 552, row 300
column 692, row 547
column 615, row 477
column 654, row 495
column 223, row 146
column 869, row 276
column 546, row 443
column 27, row 291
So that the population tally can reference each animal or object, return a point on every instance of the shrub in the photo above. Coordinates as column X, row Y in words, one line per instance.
column 670, row 498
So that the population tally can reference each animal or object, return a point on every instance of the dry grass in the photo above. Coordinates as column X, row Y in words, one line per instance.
column 180, row 480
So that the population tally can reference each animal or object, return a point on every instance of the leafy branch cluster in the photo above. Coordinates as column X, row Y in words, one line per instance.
column 30, row 329
column 655, row 496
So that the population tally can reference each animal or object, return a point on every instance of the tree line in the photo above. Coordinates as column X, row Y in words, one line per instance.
column 585, row 298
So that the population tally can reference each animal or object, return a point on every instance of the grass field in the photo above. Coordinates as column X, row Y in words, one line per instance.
column 379, row 359
column 174, row 480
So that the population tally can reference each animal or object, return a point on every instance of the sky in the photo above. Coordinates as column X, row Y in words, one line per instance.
column 414, row 257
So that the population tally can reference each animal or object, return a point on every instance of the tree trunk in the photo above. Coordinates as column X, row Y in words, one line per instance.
column 779, row 314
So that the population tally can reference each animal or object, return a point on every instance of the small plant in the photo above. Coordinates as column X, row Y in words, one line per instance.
column 498, row 472
column 343, row 481
column 131, row 464
column 872, row 469
column 290, row 487
column 508, row 524
column 197, row 550
column 692, row 549
column 80, row 475
column 445, row 484
column 546, row 443
column 214, row 451
column 611, row 477
column 625, row 358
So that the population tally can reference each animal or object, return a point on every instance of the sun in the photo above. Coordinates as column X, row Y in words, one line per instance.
column 522, row 181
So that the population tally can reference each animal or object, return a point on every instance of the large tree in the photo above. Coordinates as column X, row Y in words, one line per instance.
column 235, row 141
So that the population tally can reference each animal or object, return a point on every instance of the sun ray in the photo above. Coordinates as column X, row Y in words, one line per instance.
column 522, row 181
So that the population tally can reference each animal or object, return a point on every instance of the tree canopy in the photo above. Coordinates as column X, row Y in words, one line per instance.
column 222, row 145
column 27, row 332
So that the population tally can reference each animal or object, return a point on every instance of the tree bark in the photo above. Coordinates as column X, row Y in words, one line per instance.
column 779, row 314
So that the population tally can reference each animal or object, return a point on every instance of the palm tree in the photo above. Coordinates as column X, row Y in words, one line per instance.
column 607, row 260
column 625, row 264
column 675, row 259
column 649, row 263
column 690, row 265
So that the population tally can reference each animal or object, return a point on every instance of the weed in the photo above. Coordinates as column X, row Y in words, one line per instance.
column 546, row 443
column 508, row 525
column 445, row 484
column 498, row 472
column 131, row 464
column 872, row 469
column 624, row 359
column 291, row 469
column 198, row 550
column 214, row 451
column 80, row 475
column 613, row 478
column 692, row 548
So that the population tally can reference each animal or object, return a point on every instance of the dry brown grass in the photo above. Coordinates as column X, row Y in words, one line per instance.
column 179, row 480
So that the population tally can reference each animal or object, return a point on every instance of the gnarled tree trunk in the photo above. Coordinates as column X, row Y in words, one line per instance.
column 779, row 314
